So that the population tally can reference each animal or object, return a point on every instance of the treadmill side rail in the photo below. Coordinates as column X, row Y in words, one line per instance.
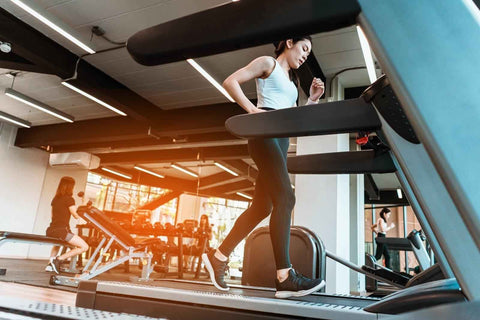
column 327, row 118
column 419, row 297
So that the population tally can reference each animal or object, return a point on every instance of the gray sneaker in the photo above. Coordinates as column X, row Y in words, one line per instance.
column 55, row 264
column 297, row 285
column 216, row 269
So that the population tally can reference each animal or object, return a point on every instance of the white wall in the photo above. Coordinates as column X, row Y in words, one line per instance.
column 22, row 172
column 323, row 206
column 43, row 214
column 27, row 186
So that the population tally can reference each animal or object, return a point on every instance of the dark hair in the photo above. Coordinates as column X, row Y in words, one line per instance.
column 65, row 186
column 281, row 47
column 207, row 224
column 383, row 212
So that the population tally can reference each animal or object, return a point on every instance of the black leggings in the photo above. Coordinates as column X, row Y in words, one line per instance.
column 383, row 249
column 273, row 190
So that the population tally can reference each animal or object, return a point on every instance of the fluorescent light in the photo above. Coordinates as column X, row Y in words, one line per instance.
column 210, row 79
column 367, row 55
column 149, row 172
column 117, row 173
column 37, row 105
column 184, row 170
column 399, row 193
column 244, row 195
column 89, row 96
column 15, row 120
column 474, row 10
column 53, row 26
column 226, row 169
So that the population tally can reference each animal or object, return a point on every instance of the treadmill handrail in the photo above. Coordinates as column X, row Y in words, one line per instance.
column 268, row 21
column 349, row 162
column 327, row 118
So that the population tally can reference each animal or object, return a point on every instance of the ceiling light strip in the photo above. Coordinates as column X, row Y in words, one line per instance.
column 399, row 194
column 149, row 172
column 367, row 55
column 210, row 79
column 37, row 105
column 244, row 195
column 15, row 120
column 53, row 26
column 89, row 96
column 184, row 170
column 126, row 176
column 226, row 169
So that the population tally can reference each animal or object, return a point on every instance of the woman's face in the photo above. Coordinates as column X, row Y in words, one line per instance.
column 297, row 53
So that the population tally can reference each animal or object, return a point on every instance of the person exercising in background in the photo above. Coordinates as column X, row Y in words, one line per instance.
column 63, row 206
column 381, row 229
column 274, row 196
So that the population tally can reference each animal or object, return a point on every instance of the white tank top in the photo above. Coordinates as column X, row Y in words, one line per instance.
column 276, row 91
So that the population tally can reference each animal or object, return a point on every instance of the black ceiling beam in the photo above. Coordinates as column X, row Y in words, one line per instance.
column 160, row 201
column 15, row 62
column 175, row 184
column 217, row 179
column 263, row 21
column 244, row 168
column 233, row 196
column 86, row 131
column 51, row 57
column 228, row 188
column 205, row 120
column 177, row 155
column 387, row 197
column 194, row 120
column 166, row 142
column 371, row 188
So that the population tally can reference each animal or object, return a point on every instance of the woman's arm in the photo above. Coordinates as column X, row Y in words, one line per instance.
column 317, row 88
column 258, row 68
column 73, row 211
column 73, row 208
column 392, row 225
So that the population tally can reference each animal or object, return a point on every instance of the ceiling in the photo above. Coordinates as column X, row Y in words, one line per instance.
column 174, row 114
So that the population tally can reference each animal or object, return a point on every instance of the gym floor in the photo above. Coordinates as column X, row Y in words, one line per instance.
column 28, row 279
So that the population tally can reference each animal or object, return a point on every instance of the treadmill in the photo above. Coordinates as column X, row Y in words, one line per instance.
column 441, row 186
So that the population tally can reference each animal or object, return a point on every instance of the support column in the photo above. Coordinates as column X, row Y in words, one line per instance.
column 357, row 228
column 323, row 206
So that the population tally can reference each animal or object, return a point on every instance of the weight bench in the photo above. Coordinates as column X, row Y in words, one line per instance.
column 7, row 236
column 112, row 236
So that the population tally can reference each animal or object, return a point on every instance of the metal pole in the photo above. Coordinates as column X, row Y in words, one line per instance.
column 405, row 235
column 373, row 233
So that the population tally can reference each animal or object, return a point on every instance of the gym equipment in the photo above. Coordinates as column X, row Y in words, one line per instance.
column 112, row 234
column 7, row 236
column 259, row 264
column 437, row 181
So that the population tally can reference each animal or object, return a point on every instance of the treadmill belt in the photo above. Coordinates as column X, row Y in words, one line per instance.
column 193, row 298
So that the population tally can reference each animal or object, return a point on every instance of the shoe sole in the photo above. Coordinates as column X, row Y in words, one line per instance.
column 54, row 269
column 209, row 267
column 301, row 293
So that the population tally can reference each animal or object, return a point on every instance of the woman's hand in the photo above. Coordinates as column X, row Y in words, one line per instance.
column 256, row 110
column 317, row 88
